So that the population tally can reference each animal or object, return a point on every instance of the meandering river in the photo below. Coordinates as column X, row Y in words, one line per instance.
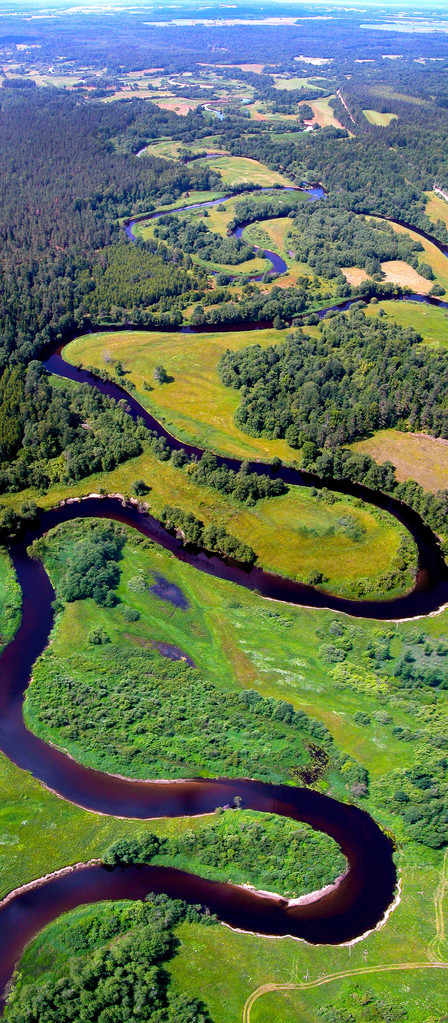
column 351, row 908
column 362, row 897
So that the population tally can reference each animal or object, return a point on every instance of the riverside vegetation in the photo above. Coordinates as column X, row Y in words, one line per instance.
column 153, row 667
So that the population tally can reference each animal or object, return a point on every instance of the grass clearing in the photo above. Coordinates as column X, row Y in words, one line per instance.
column 387, row 92
column 354, row 275
column 431, row 322
column 175, row 103
column 396, row 271
column 288, row 83
column 437, row 208
column 323, row 113
column 381, row 119
column 416, row 456
column 240, row 170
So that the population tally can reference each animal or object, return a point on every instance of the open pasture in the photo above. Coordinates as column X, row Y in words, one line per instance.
column 381, row 119
column 416, row 456
column 239, row 170
column 431, row 322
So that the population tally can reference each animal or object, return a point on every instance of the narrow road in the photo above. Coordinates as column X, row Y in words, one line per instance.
column 438, row 947
column 341, row 975
column 340, row 96
column 436, row 950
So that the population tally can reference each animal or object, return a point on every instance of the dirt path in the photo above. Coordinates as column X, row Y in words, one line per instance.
column 341, row 975
column 339, row 94
column 437, row 948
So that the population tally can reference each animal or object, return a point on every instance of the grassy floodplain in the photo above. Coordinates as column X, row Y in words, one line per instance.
column 273, row 234
column 196, row 406
column 170, row 150
column 283, row 531
column 239, row 641
column 253, row 962
column 437, row 208
column 239, row 170
column 431, row 255
column 356, row 543
column 284, row 660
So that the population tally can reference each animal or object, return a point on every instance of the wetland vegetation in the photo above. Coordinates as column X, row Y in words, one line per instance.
column 155, row 669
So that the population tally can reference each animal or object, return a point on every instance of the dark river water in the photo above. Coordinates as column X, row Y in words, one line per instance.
column 429, row 594
column 277, row 263
column 358, row 903
column 353, row 907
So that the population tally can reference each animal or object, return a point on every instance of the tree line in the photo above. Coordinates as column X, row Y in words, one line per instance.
column 361, row 373
column 111, row 963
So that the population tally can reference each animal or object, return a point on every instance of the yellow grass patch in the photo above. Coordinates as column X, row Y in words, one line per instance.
column 354, row 275
column 195, row 406
column 277, row 231
column 239, row 170
column 375, row 117
column 398, row 272
column 323, row 114
column 431, row 254
column 179, row 105
column 416, row 456
column 437, row 208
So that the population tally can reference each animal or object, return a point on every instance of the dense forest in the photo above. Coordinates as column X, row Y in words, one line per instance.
column 359, row 374
column 111, row 963
column 287, row 857
column 60, row 433
column 59, row 233
column 328, row 238
column 194, row 237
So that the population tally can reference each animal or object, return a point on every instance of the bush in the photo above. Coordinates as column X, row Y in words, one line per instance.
column 140, row 488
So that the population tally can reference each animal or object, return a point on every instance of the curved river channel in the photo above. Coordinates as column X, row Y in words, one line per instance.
column 351, row 907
